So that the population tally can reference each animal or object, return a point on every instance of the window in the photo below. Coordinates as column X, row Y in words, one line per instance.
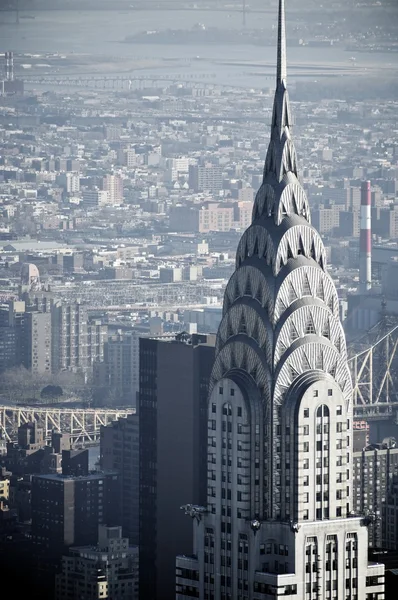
column 306, row 430
column 306, row 413
column 220, row 390
column 213, row 408
column 316, row 393
column 330, row 392
column 232, row 392
column 339, row 410
column 339, row 427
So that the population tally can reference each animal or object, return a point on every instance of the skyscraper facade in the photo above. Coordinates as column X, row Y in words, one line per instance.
column 174, row 385
column 278, row 519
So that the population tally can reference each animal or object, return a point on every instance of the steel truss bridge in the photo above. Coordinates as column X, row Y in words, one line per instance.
column 374, row 370
column 373, row 361
column 124, row 82
column 83, row 425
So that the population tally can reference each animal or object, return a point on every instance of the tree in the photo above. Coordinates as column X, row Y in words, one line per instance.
column 51, row 392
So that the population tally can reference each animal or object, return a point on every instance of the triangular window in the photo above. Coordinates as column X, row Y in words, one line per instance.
column 301, row 246
column 294, row 334
column 305, row 363
column 255, row 249
column 319, row 362
column 292, row 293
column 326, row 330
column 306, row 286
column 248, row 288
column 242, row 324
column 313, row 251
column 320, row 292
column 310, row 327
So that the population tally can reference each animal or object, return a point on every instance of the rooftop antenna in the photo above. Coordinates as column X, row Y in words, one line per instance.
column 281, row 72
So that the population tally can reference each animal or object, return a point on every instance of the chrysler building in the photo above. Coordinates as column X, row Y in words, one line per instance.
column 279, row 520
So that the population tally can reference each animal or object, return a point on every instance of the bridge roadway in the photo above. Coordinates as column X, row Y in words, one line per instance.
column 83, row 424
column 129, row 82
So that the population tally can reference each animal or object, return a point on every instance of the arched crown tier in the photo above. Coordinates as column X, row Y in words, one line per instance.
column 276, row 244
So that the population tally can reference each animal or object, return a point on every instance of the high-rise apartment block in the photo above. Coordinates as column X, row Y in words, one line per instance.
column 278, row 516
column 113, row 185
column 212, row 216
column 70, row 182
column 69, row 333
column 373, row 471
column 50, row 336
column 205, row 178
column 107, row 570
column 95, row 198
column 174, row 379
column 36, row 342
column 119, row 452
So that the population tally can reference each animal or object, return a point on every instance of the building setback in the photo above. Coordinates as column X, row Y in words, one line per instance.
column 277, row 520
column 174, row 379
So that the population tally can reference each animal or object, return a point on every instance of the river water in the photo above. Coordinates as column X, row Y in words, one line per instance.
column 101, row 33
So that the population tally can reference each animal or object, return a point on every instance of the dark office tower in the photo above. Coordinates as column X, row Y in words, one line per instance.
column 277, row 520
column 174, row 379
column 66, row 511
column 119, row 452
column 373, row 470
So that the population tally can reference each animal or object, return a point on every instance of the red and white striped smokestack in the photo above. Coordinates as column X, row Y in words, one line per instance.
column 365, row 240
column 9, row 69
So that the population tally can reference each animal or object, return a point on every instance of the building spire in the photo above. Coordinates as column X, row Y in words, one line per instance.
column 281, row 70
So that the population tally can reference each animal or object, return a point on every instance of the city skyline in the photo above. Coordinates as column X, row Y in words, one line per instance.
column 198, row 324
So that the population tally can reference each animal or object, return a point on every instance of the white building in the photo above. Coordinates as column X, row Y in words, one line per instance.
column 278, row 520
column 113, row 184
